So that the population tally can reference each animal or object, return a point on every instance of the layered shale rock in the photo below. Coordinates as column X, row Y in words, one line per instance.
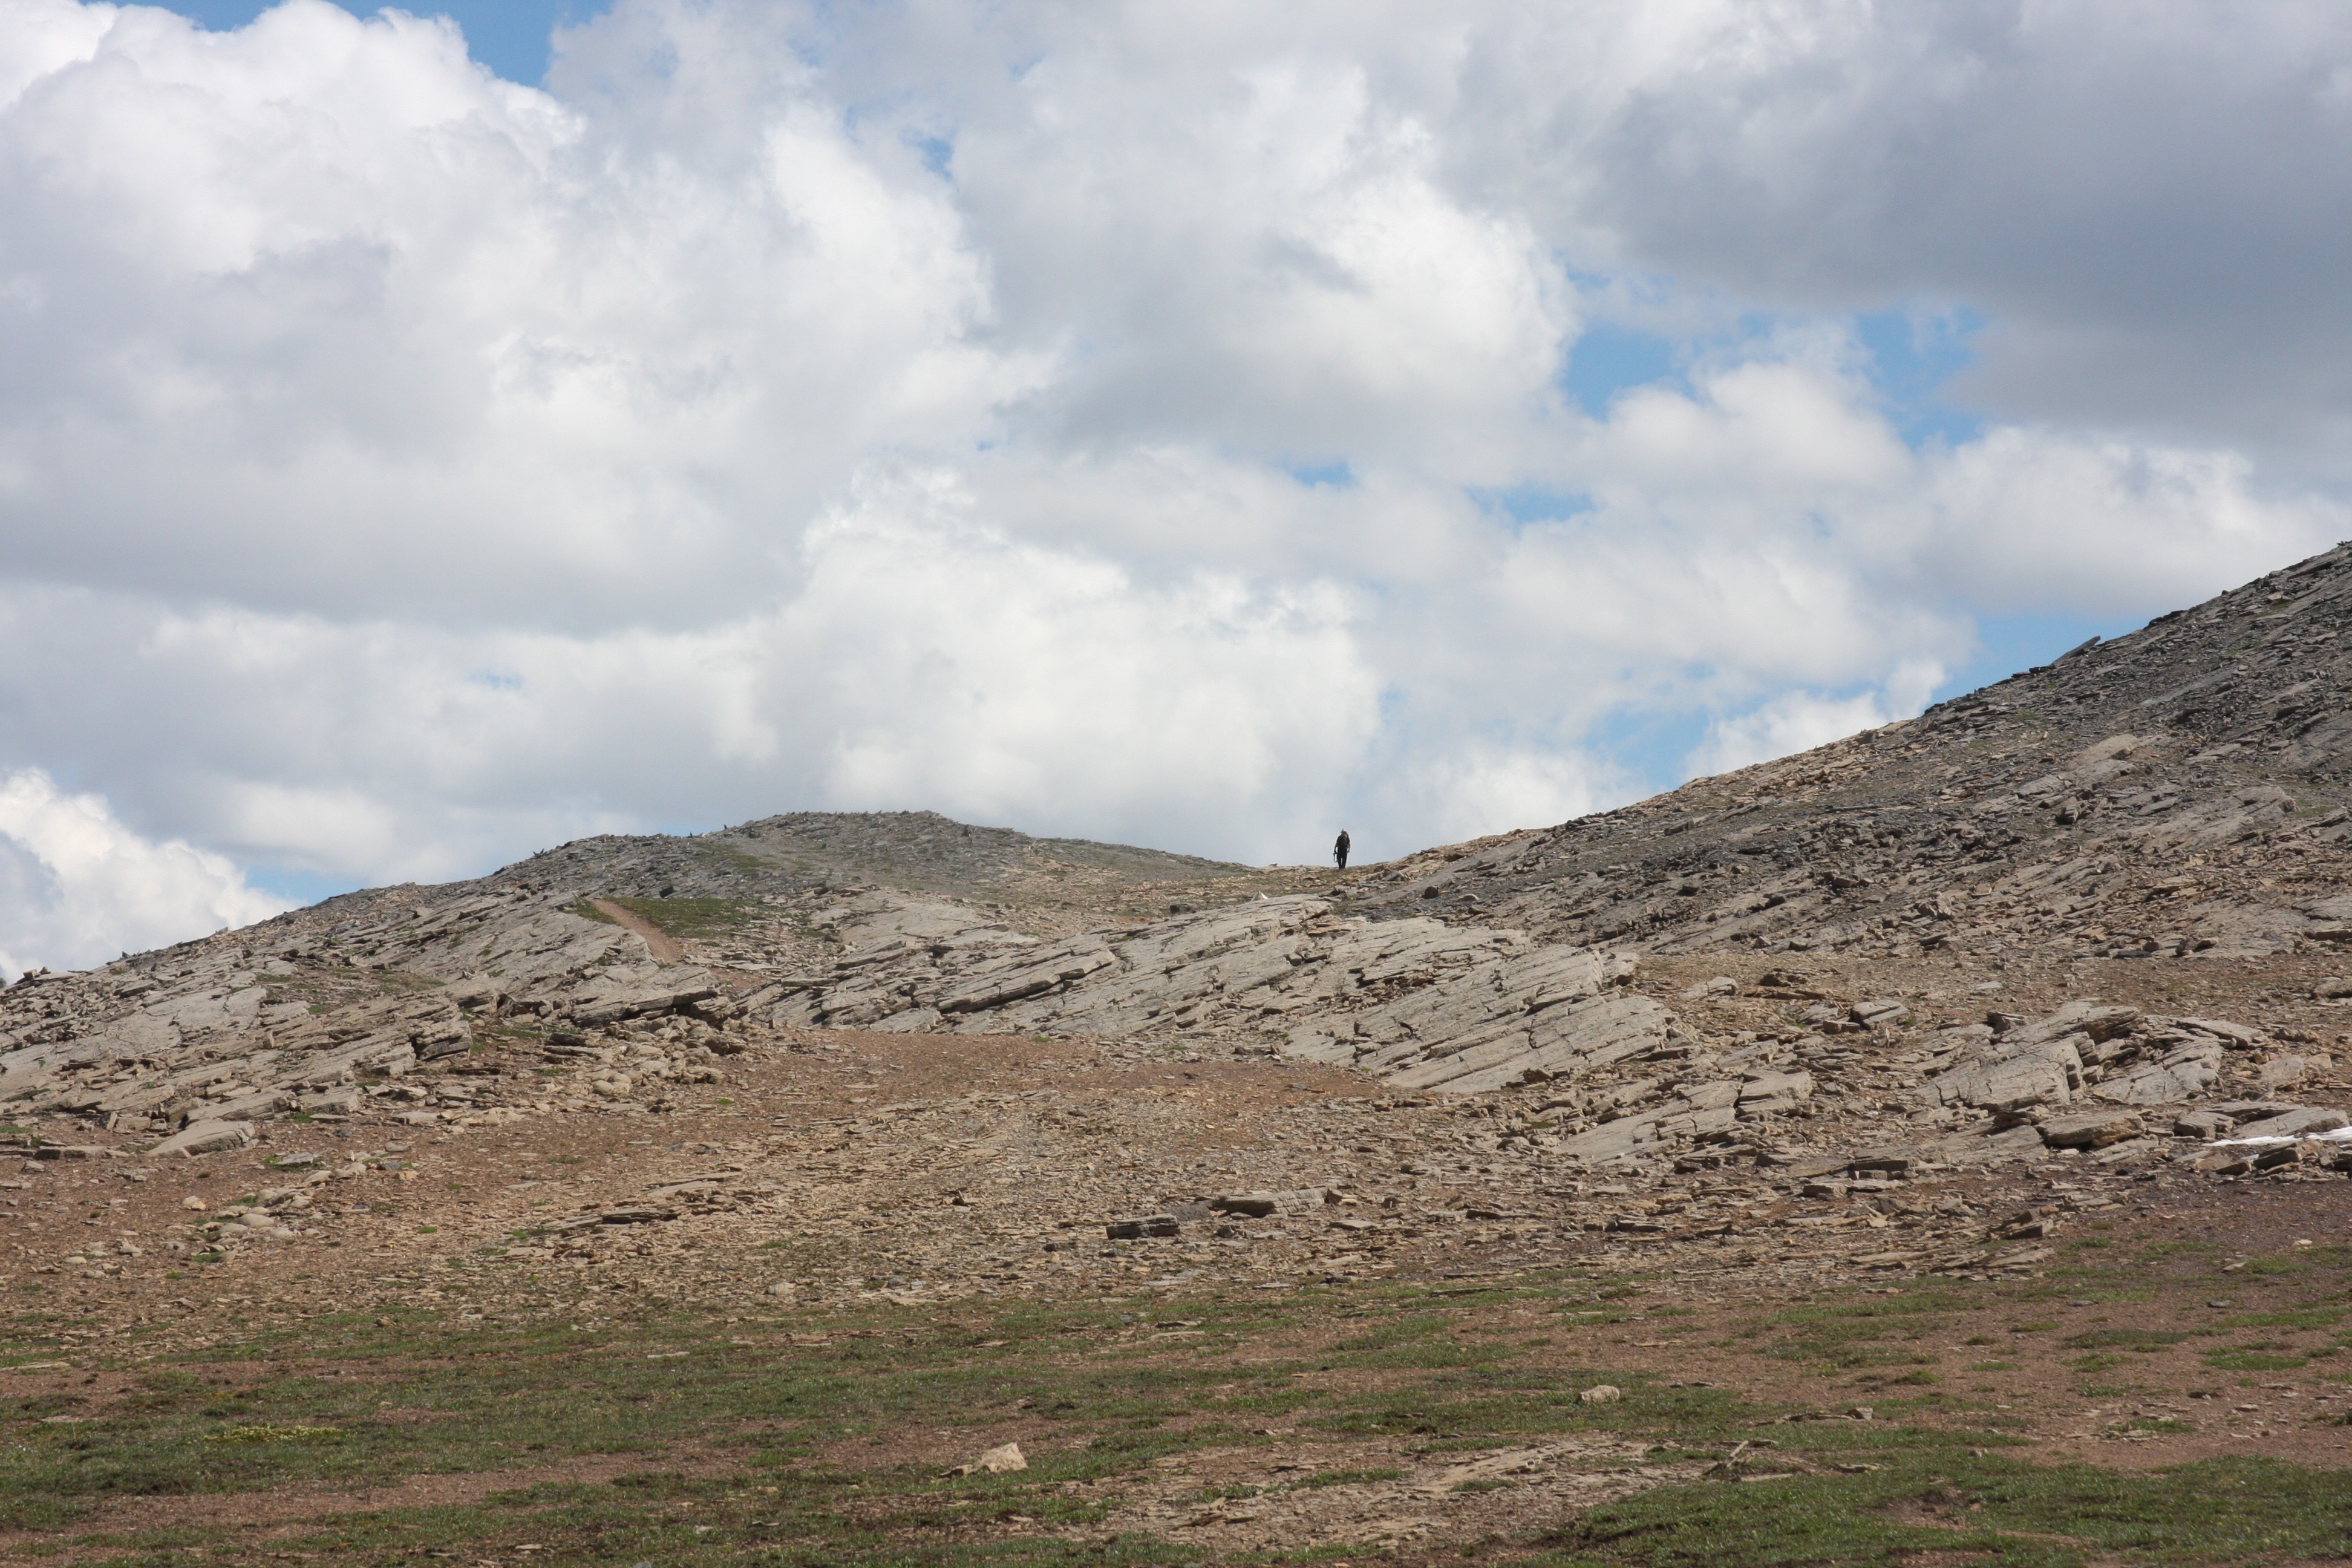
column 1426, row 1004
column 312, row 1012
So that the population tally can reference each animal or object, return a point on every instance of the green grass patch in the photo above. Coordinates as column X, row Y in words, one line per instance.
column 2296, row 1317
column 2251, row 1360
column 2164, row 1249
column 1849, row 1333
column 266, row 1433
column 694, row 917
column 1985, row 1510
column 2123, row 1339
column 1345, row 1478
column 813, row 1438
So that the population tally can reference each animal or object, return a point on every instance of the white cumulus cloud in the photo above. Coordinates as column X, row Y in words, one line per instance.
column 1168, row 426
column 77, row 887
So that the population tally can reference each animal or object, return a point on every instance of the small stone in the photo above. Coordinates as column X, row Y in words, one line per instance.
column 193, row 1202
column 1137, row 1229
column 784, row 1289
column 996, row 1461
column 2334, row 988
column 1601, row 1394
column 1256, row 1205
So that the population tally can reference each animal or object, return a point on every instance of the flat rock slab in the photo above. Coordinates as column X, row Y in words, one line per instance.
column 2299, row 1123
column 206, row 1137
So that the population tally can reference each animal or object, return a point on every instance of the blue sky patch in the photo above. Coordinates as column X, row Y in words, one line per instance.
column 1608, row 360
column 1524, row 504
column 1912, row 356
column 1909, row 357
column 2007, row 644
column 1651, row 745
column 938, row 154
column 300, row 888
column 1654, row 747
column 510, row 37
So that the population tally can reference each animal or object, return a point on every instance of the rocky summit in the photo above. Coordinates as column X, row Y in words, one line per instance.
column 1937, row 1002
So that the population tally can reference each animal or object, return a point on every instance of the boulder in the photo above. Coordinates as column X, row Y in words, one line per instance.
column 2183, row 1074
column 2282, row 1072
column 2045, row 1076
column 1764, row 1092
column 251, row 1107
column 2206, row 1124
column 2090, row 1129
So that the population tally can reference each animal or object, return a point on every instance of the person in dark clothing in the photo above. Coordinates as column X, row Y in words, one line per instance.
column 1339, row 849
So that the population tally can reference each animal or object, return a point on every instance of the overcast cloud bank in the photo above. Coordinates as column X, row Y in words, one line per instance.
column 1145, row 423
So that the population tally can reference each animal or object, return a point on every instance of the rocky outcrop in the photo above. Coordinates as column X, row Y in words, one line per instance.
column 312, row 1012
column 1426, row 1004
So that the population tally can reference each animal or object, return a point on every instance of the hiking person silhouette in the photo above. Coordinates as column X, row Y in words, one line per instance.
column 1339, row 849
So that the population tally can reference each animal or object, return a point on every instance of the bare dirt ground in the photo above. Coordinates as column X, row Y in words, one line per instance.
column 665, row 948
column 928, row 1181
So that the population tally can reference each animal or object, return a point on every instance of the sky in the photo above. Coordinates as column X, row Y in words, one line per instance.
column 424, row 439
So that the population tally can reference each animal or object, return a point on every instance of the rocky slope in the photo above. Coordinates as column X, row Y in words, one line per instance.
column 2181, row 791
column 2083, row 917
column 323, row 1009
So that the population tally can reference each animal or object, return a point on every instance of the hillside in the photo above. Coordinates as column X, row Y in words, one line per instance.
column 1045, row 883
column 1262, row 1211
column 2183, row 790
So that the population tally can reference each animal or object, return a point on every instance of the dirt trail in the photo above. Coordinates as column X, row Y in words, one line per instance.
column 667, row 949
